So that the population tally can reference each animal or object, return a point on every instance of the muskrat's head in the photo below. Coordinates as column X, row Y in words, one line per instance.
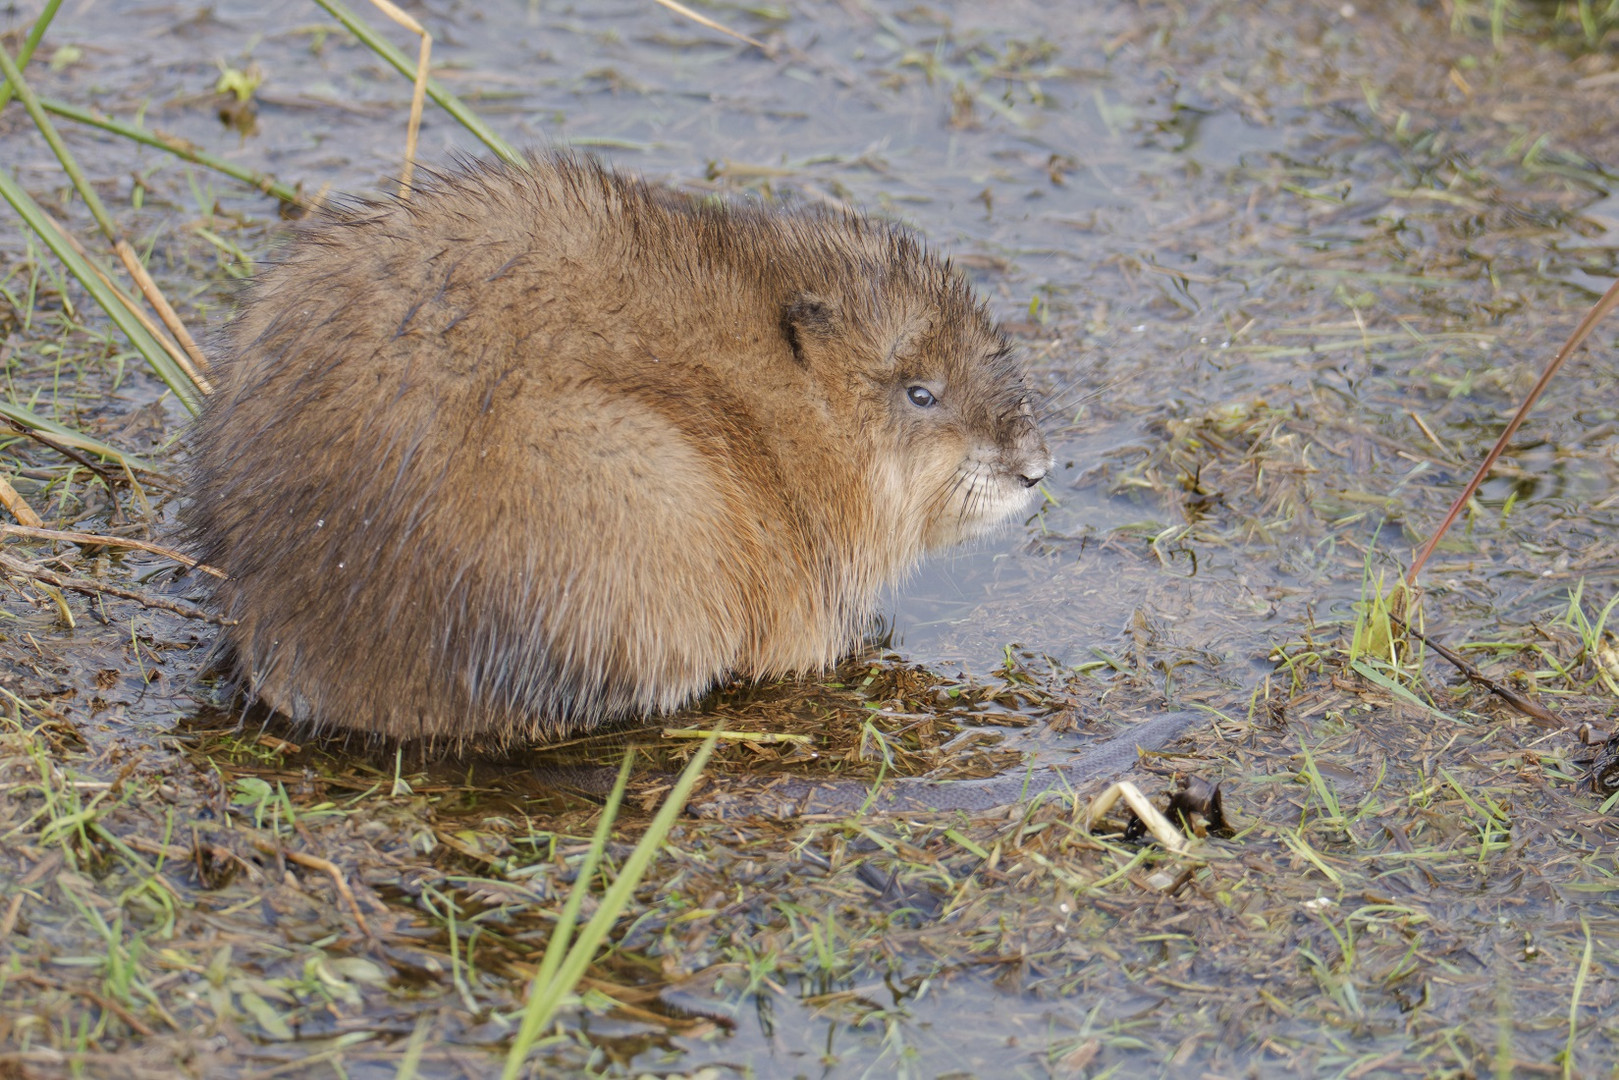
column 944, row 410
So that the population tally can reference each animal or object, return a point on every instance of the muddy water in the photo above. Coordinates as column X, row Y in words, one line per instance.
column 1132, row 189
column 1279, row 272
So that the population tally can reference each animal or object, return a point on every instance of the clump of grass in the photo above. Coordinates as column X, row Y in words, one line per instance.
column 566, row 957
column 1374, row 637
column 166, row 358
column 1596, row 640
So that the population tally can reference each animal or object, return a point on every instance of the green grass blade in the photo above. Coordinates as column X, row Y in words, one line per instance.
column 147, row 345
column 561, row 937
column 77, row 440
column 173, row 144
column 407, row 67
column 48, row 130
column 1372, row 675
column 35, row 33
column 543, row 1004
column 1574, row 1002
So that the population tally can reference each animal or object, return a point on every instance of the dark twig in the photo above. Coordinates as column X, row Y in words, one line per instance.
column 95, row 588
column 1609, row 301
column 1538, row 713
column 72, row 455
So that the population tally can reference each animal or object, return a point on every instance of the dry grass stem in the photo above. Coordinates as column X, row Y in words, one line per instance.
column 93, row 539
column 1599, row 310
column 418, row 93
column 104, row 221
column 176, row 353
column 18, row 506
column 149, row 289
column 8, row 921
column 703, row 20
column 446, row 100
column 160, row 304
column 329, row 868
column 760, row 737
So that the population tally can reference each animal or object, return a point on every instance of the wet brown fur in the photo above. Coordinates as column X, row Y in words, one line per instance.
column 537, row 449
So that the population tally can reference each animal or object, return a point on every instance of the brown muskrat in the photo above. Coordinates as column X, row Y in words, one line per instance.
column 539, row 448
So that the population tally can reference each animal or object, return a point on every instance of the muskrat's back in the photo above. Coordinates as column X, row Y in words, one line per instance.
column 538, row 448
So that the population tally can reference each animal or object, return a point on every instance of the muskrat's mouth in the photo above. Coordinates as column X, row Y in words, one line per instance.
column 985, row 501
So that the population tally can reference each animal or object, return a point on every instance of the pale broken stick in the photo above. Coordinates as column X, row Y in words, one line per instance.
column 1157, row 824
column 18, row 505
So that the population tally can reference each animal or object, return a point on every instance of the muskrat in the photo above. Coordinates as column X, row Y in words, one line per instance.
column 542, row 447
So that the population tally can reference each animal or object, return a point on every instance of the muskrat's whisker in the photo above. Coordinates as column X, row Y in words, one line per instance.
column 1060, row 403
column 947, row 493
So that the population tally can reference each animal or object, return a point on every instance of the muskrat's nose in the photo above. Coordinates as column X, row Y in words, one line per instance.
column 1036, row 458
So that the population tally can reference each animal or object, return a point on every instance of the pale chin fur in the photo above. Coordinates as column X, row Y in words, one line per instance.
column 994, row 503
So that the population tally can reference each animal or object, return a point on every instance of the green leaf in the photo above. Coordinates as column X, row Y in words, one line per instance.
column 266, row 1016
column 1372, row 675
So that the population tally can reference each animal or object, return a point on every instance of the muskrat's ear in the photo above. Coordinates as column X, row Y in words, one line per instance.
column 807, row 317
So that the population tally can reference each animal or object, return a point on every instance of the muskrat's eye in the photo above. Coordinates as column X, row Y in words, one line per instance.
column 921, row 397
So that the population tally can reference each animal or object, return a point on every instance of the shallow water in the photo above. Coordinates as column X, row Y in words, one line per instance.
column 1151, row 181
column 1280, row 272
